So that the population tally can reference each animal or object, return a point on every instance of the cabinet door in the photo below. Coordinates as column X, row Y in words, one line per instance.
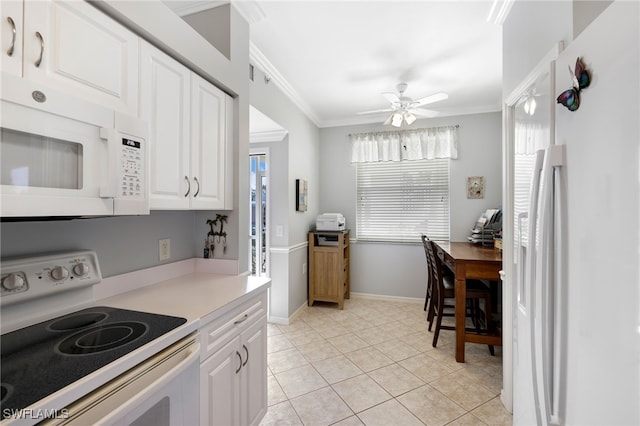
column 254, row 373
column 11, row 36
column 327, row 276
column 72, row 46
column 208, row 145
column 165, row 104
column 220, row 386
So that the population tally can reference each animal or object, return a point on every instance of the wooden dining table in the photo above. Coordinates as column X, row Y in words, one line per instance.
column 470, row 261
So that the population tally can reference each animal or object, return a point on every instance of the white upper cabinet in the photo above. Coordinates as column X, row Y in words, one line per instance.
column 11, row 36
column 165, row 94
column 73, row 46
column 208, row 144
column 187, row 116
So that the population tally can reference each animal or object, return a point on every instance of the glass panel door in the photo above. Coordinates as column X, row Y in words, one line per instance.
column 258, row 232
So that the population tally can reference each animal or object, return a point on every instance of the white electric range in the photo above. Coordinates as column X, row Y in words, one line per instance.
column 65, row 361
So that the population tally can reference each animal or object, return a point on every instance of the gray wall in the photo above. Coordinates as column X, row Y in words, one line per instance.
column 375, row 268
column 294, row 158
column 123, row 244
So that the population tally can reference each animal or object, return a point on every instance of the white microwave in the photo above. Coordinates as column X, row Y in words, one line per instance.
column 63, row 156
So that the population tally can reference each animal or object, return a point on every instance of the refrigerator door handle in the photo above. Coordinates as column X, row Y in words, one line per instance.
column 530, row 287
column 547, row 336
column 521, row 260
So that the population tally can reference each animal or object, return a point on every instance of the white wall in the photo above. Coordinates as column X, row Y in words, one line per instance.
column 375, row 267
column 531, row 30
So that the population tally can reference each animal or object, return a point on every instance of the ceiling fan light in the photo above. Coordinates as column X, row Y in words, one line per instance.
column 532, row 106
column 409, row 118
column 396, row 120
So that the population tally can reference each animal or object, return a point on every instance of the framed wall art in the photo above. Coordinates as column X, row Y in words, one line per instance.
column 475, row 187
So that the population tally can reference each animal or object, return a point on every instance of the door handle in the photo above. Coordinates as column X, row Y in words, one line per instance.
column 247, row 352
column 197, row 190
column 188, row 187
column 241, row 364
column 39, row 60
column 13, row 36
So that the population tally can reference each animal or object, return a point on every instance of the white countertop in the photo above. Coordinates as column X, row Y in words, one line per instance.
column 194, row 296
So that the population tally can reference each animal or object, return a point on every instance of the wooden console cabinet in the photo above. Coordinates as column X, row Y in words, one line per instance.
column 328, row 266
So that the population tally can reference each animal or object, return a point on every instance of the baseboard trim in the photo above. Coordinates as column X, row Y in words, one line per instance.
column 386, row 297
column 287, row 321
column 369, row 296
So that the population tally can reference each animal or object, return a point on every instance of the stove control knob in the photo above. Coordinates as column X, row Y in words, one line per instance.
column 59, row 273
column 81, row 269
column 12, row 282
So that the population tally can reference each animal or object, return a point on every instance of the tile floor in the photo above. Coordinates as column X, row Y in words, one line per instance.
column 373, row 364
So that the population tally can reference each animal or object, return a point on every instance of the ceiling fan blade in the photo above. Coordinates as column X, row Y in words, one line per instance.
column 430, row 99
column 374, row 111
column 424, row 112
column 391, row 97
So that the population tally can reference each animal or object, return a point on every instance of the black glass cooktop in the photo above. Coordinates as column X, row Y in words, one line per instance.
column 43, row 358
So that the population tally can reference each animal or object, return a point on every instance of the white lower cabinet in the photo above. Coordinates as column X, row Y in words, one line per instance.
column 233, row 372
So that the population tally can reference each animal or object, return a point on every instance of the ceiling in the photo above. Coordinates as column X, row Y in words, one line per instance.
column 335, row 58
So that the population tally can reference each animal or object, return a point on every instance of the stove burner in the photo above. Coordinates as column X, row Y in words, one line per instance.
column 43, row 358
column 74, row 321
column 102, row 338
column 5, row 390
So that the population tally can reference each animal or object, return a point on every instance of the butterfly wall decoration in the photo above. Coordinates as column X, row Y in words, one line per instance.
column 581, row 79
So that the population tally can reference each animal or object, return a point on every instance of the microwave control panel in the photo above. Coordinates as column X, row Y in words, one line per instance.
column 131, row 169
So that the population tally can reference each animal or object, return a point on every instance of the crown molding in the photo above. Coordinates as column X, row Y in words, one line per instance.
column 250, row 10
column 257, row 58
column 268, row 136
column 191, row 7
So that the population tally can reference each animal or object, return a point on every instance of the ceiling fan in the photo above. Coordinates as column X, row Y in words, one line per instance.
column 403, row 108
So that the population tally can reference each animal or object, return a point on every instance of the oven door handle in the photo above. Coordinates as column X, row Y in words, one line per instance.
column 194, row 355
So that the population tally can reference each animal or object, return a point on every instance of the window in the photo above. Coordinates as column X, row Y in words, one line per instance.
column 399, row 200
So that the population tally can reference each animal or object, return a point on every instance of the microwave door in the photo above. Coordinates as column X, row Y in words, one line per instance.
column 54, row 175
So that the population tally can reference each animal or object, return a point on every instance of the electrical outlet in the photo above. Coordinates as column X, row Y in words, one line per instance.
column 164, row 249
column 304, row 268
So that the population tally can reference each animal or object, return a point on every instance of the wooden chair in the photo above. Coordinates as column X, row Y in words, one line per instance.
column 429, row 295
column 444, row 288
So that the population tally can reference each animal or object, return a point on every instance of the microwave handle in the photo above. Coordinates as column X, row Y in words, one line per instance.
column 109, row 184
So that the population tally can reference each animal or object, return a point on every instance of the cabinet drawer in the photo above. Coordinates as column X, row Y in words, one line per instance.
column 221, row 330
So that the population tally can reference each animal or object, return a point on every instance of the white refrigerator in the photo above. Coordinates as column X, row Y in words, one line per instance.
column 576, row 352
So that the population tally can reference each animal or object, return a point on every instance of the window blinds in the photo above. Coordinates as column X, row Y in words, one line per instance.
column 399, row 201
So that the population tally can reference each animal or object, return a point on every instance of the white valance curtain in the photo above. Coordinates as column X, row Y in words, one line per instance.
column 530, row 137
column 418, row 144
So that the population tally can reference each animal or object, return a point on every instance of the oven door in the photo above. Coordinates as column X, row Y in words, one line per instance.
column 161, row 391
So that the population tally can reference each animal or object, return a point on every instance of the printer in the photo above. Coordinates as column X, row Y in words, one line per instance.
column 330, row 222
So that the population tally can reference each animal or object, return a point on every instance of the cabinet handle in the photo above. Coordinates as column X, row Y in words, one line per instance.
column 197, row 190
column 247, row 352
column 39, row 61
column 188, row 187
column 243, row 319
column 13, row 37
column 239, row 365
